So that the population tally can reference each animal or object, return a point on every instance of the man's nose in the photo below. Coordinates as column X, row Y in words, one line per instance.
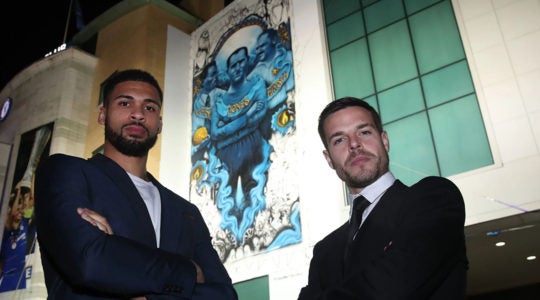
column 137, row 114
column 354, row 142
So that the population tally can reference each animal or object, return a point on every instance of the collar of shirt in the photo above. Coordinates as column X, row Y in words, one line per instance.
column 374, row 192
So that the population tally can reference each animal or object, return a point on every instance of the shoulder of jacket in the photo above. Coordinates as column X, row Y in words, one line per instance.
column 335, row 234
column 60, row 157
column 432, row 185
column 433, row 180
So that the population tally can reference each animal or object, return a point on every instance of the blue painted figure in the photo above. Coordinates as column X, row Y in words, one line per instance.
column 202, row 108
column 273, row 63
column 236, row 117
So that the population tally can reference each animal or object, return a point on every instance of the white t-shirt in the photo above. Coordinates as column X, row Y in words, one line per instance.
column 150, row 195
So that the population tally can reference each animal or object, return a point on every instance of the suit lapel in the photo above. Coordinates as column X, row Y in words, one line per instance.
column 388, row 204
column 172, row 218
column 385, row 213
column 122, row 181
column 376, row 232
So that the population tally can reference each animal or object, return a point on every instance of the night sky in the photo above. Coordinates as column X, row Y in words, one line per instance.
column 30, row 29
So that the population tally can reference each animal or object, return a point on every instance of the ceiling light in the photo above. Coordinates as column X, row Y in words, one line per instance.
column 532, row 257
column 500, row 244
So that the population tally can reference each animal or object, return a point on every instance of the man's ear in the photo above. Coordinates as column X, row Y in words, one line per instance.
column 386, row 141
column 328, row 159
column 160, row 124
column 101, row 115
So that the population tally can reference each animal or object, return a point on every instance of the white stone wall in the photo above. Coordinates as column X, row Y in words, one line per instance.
column 175, row 165
column 502, row 43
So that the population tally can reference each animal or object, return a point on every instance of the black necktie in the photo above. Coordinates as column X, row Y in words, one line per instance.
column 359, row 204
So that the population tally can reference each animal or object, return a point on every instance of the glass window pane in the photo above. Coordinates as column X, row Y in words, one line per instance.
column 383, row 13
column 393, row 59
column 345, row 30
column 333, row 10
column 367, row 2
column 400, row 101
column 446, row 84
column 460, row 137
column 416, row 5
column 436, row 37
column 411, row 149
column 351, row 71
column 372, row 100
column 256, row 288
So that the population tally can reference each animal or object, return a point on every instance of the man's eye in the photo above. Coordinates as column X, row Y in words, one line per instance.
column 123, row 103
column 365, row 132
column 150, row 108
column 338, row 141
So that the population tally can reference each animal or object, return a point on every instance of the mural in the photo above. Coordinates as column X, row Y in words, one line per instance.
column 243, row 129
column 19, row 238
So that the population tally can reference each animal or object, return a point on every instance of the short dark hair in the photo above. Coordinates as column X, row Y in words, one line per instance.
column 271, row 33
column 128, row 75
column 342, row 103
column 241, row 49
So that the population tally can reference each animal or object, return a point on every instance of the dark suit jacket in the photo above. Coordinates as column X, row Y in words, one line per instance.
column 81, row 262
column 411, row 246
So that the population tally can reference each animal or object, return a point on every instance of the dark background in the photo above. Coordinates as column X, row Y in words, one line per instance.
column 31, row 29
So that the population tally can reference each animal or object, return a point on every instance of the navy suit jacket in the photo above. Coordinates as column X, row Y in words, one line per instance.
column 82, row 262
column 411, row 246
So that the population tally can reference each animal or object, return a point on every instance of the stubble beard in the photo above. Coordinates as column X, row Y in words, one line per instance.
column 129, row 147
column 367, row 174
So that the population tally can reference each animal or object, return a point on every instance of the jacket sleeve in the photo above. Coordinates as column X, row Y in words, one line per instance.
column 313, row 289
column 218, row 285
column 327, row 259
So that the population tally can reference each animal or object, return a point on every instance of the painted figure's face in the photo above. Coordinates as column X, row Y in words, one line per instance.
column 264, row 48
column 356, row 150
column 209, row 82
column 132, row 118
column 237, row 66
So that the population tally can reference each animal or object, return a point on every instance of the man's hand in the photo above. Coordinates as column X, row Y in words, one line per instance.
column 95, row 219
column 200, row 274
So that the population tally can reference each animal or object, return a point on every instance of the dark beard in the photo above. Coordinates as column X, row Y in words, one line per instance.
column 368, row 176
column 129, row 147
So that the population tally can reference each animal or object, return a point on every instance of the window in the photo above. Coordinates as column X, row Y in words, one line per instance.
column 255, row 288
column 406, row 58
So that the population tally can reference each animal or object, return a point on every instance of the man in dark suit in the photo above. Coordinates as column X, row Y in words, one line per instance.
column 409, row 242
column 153, row 244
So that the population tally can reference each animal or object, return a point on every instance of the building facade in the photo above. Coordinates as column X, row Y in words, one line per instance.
column 494, row 104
